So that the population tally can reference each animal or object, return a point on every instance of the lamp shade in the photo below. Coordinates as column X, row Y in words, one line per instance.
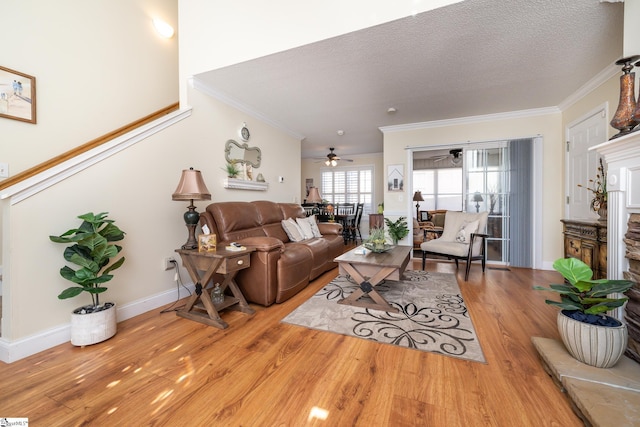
column 314, row 195
column 191, row 187
column 417, row 196
column 477, row 197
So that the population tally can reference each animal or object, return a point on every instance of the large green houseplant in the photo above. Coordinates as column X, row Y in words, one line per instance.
column 397, row 229
column 92, row 250
column 586, row 331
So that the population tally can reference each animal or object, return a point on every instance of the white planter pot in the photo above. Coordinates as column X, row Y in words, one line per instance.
column 92, row 328
column 599, row 346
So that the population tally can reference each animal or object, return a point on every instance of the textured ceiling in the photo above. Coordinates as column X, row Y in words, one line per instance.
column 472, row 58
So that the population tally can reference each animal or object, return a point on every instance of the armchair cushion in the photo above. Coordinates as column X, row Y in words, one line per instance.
column 464, row 233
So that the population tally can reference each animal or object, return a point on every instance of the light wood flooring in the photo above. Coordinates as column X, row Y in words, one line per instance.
column 164, row 370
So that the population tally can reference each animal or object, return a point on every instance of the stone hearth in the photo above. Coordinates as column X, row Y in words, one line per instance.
column 632, row 309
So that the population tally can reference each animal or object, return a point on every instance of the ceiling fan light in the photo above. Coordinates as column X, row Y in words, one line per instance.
column 334, row 163
column 327, row 162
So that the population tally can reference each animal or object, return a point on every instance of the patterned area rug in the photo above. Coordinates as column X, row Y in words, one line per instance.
column 432, row 317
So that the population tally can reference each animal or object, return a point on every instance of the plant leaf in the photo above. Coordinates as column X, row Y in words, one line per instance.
column 573, row 270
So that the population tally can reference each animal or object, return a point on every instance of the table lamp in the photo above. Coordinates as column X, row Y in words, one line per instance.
column 417, row 197
column 477, row 197
column 314, row 195
column 191, row 187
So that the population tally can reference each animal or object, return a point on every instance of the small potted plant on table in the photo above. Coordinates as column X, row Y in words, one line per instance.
column 91, row 249
column 589, row 335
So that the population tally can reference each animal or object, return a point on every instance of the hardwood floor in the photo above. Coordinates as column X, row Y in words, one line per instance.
column 161, row 369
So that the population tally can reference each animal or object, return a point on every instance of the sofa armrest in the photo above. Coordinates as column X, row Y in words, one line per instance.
column 262, row 243
column 330, row 228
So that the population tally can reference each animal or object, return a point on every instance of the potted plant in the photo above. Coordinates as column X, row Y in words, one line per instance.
column 398, row 229
column 376, row 240
column 599, row 189
column 587, row 332
column 231, row 169
column 91, row 249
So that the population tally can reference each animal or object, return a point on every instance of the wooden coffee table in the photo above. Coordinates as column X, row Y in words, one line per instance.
column 369, row 270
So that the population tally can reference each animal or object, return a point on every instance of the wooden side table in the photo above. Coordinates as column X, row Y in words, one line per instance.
column 201, row 267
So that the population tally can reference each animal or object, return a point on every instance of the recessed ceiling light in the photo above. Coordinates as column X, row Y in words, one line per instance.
column 340, row 132
column 391, row 110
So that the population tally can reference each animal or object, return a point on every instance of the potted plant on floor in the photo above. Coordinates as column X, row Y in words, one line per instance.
column 398, row 229
column 587, row 332
column 91, row 249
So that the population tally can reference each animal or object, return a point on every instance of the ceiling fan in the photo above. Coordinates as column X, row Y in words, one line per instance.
column 332, row 158
column 455, row 155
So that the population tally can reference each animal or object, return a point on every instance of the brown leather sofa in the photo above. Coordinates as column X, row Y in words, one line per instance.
column 279, row 268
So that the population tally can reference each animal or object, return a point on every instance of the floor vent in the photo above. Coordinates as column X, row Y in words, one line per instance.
column 498, row 268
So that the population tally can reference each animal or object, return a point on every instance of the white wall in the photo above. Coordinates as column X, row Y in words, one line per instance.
column 214, row 34
column 123, row 79
column 98, row 65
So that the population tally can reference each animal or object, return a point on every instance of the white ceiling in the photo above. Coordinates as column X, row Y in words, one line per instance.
column 472, row 58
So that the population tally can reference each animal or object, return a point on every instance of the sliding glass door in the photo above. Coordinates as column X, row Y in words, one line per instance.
column 499, row 179
column 487, row 189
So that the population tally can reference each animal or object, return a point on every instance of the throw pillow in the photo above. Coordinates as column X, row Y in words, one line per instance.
column 305, row 226
column 464, row 233
column 293, row 230
column 314, row 226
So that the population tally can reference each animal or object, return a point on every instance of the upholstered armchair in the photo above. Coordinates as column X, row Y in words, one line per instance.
column 463, row 237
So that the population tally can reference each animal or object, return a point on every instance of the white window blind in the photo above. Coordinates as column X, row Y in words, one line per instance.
column 348, row 185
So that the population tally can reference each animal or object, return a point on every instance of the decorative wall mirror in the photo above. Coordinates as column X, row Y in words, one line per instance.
column 242, row 153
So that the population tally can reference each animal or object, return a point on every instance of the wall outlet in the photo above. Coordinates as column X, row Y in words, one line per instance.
column 168, row 263
column 4, row 170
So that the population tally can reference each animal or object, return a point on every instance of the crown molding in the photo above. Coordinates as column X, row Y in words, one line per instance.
column 471, row 119
column 599, row 79
column 201, row 86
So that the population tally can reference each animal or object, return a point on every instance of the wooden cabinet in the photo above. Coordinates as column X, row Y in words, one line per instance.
column 376, row 221
column 587, row 241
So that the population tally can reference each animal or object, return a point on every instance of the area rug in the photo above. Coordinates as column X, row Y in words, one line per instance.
column 432, row 315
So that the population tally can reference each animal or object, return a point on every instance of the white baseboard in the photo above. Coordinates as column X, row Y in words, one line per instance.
column 10, row 351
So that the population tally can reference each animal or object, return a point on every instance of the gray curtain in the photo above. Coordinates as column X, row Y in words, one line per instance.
column 520, row 202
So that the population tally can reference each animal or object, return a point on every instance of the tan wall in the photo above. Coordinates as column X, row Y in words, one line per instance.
column 549, row 126
column 312, row 169
column 99, row 65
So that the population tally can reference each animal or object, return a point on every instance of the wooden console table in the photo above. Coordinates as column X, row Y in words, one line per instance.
column 227, row 263
column 587, row 241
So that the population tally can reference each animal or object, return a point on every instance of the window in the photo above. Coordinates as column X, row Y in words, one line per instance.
column 348, row 185
column 441, row 188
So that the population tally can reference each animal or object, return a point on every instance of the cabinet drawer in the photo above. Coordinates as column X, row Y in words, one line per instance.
column 572, row 247
column 233, row 264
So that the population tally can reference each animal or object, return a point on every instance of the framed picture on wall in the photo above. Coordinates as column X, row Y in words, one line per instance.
column 17, row 95
column 308, row 184
column 395, row 178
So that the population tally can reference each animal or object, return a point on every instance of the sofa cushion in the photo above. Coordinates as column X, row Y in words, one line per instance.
column 236, row 220
column 305, row 226
column 465, row 230
column 293, row 230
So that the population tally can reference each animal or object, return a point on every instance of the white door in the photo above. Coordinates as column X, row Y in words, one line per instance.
column 582, row 164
